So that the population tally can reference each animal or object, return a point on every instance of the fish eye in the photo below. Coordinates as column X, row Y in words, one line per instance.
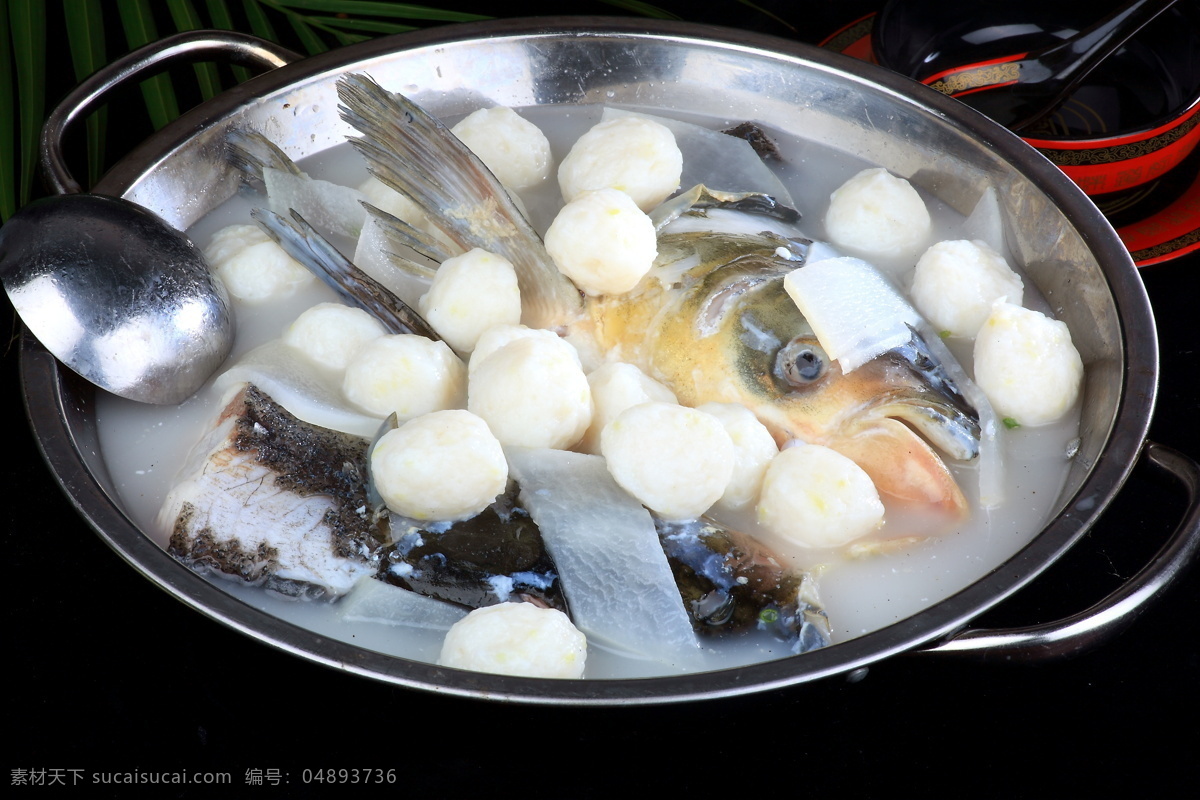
column 801, row 362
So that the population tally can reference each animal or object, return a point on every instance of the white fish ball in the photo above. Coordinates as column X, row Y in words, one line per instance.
column 512, row 147
column 675, row 460
column 603, row 242
column 616, row 387
column 956, row 282
column 516, row 639
column 634, row 155
column 877, row 213
column 753, row 448
column 445, row 465
column 406, row 374
column 469, row 294
column 532, row 392
column 816, row 497
column 253, row 267
column 498, row 336
column 1026, row 365
column 330, row 333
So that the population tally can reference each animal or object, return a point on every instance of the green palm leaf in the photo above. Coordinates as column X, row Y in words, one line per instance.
column 221, row 19
column 378, row 9
column 27, row 28
column 184, row 15
column 308, row 37
column 260, row 23
column 645, row 9
column 8, row 119
column 85, row 35
column 137, row 18
column 366, row 25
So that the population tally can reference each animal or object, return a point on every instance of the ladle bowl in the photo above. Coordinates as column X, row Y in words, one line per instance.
column 112, row 289
column 117, row 295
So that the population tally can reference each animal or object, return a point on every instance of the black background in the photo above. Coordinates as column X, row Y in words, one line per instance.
column 107, row 673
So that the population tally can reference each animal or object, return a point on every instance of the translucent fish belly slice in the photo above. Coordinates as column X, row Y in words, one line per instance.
column 612, row 566
column 330, row 206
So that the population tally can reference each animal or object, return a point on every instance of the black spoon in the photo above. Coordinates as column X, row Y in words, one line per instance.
column 1019, row 89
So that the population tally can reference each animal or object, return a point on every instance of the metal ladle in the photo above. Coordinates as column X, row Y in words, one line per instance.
column 117, row 295
column 112, row 290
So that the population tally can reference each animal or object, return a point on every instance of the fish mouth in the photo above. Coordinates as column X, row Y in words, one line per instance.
column 894, row 437
column 930, row 402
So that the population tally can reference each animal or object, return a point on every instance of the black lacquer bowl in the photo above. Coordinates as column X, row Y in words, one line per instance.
column 1126, row 135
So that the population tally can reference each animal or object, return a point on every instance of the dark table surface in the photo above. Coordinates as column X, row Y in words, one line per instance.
column 109, row 674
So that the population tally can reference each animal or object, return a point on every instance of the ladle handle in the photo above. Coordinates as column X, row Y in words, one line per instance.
column 1114, row 613
column 238, row 48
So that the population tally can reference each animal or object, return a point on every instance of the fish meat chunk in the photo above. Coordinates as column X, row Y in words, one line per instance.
column 269, row 500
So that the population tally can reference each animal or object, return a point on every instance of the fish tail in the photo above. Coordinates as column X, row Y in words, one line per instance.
column 418, row 156
column 304, row 244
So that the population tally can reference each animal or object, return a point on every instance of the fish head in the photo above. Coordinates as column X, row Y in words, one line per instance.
column 732, row 334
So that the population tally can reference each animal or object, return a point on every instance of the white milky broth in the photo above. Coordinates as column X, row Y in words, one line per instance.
column 144, row 446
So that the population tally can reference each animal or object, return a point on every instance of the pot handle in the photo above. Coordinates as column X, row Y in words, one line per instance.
column 238, row 48
column 1114, row 613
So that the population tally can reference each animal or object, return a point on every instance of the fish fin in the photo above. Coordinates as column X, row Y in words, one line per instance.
column 418, row 156
column 397, row 230
column 359, row 289
column 903, row 467
column 253, row 153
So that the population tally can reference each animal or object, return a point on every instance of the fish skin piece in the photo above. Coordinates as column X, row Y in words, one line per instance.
column 711, row 321
column 266, row 499
column 497, row 556
column 731, row 583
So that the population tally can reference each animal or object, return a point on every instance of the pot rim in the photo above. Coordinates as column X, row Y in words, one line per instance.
column 59, row 404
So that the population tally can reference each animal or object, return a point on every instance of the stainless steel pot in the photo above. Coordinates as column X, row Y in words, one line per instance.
column 1071, row 253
